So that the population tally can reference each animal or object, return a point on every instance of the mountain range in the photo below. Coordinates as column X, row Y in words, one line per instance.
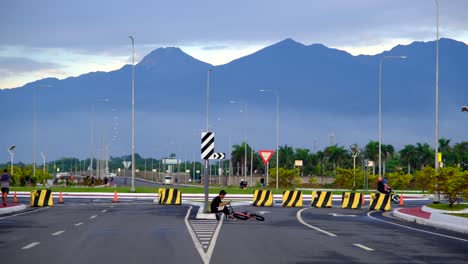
column 321, row 91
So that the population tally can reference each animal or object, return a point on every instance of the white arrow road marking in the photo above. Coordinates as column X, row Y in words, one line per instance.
column 78, row 224
column 262, row 212
column 31, row 245
column 94, row 216
column 364, row 247
column 335, row 214
column 58, row 233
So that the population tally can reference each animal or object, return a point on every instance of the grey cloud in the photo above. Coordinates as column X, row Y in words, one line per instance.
column 18, row 65
column 89, row 24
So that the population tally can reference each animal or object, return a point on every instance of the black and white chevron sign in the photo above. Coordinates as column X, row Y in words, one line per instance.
column 207, row 145
column 218, row 156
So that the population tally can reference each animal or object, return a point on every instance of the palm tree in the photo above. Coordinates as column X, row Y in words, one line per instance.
column 335, row 154
column 286, row 158
column 387, row 152
column 408, row 154
column 238, row 157
column 371, row 152
column 424, row 155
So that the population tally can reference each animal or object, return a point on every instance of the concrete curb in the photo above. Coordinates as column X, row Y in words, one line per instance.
column 12, row 209
column 453, row 223
column 428, row 209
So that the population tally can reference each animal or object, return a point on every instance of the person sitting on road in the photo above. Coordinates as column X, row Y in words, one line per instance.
column 217, row 206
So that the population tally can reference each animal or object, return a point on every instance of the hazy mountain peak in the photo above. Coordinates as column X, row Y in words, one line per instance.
column 166, row 57
column 289, row 42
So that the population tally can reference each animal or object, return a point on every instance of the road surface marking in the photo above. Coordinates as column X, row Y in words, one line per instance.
column 364, row 247
column 24, row 213
column 31, row 245
column 93, row 216
column 420, row 230
column 58, row 233
column 335, row 214
column 298, row 215
column 201, row 245
column 78, row 224
column 104, row 211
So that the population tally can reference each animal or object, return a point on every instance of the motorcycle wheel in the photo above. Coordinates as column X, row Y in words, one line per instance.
column 396, row 199
column 239, row 216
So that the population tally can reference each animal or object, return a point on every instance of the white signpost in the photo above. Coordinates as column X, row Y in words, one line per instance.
column 266, row 156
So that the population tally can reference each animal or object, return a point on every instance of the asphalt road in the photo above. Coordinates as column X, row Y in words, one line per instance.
column 139, row 232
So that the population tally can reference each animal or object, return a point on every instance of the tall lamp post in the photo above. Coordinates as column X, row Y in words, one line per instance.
column 356, row 153
column 245, row 140
column 132, row 189
column 380, row 107
column 436, row 161
column 277, row 135
column 207, row 163
column 10, row 150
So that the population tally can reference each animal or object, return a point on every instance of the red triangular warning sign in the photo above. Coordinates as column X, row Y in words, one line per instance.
column 266, row 155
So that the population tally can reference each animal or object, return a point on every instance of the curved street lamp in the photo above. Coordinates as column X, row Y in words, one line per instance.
column 10, row 150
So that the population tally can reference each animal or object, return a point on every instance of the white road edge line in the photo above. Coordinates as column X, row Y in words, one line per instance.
column 298, row 215
column 58, row 233
column 24, row 213
column 364, row 247
column 415, row 229
column 93, row 216
column 31, row 245
column 80, row 223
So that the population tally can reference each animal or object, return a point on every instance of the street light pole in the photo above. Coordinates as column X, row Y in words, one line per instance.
column 34, row 136
column 436, row 161
column 356, row 153
column 380, row 107
column 133, row 115
column 10, row 150
column 207, row 163
column 277, row 135
column 44, row 161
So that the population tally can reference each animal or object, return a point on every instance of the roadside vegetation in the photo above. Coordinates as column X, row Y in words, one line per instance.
column 411, row 168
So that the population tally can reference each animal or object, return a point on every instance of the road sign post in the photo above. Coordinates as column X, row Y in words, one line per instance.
column 266, row 156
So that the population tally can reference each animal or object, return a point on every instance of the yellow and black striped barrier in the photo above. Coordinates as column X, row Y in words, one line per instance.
column 169, row 196
column 321, row 199
column 262, row 198
column 380, row 202
column 41, row 198
column 351, row 200
column 292, row 199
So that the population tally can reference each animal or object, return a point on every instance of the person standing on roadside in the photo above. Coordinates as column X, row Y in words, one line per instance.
column 5, row 180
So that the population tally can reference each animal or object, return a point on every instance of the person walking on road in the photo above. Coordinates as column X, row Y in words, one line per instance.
column 5, row 180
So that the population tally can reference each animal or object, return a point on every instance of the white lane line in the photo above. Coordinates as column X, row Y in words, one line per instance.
column 78, row 224
column 24, row 213
column 58, row 233
column 415, row 229
column 364, row 247
column 104, row 211
column 298, row 215
column 31, row 245
column 93, row 216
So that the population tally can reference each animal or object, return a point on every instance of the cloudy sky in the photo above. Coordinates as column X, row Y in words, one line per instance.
column 56, row 38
